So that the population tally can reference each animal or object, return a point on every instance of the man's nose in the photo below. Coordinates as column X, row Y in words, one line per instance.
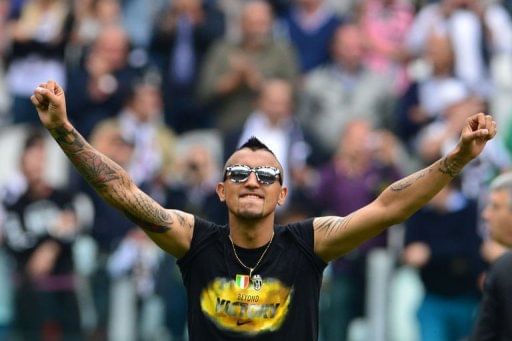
column 252, row 180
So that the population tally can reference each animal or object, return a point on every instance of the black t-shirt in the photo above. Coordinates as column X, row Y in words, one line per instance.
column 495, row 317
column 280, row 304
column 30, row 222
column 455, row 262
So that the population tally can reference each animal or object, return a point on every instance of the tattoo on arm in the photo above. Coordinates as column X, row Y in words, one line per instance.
column 96, row 168
column 183, row 221
column 147, row 213
column 447, row 166
column 331, row 225
column 112, row 182
column 450, row 167
column 69, row 139
column 148, row 226
column 400, row 185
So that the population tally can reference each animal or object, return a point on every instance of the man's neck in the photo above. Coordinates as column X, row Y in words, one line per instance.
column 251, row 234
column 39, row 190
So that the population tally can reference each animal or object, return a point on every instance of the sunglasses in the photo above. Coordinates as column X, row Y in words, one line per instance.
column 265, row 174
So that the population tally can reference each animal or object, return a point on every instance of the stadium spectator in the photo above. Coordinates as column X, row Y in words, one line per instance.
column 479, row 30
column 181, row 38
column 431, row 97
column 442, row 241
column 495, row 312
column 98, row 87
column 342, row 91
column 365, row 163
column 232, row 73
column 40, row 227
column 310, row 25
column 385, row 25
column 39, row 35
column 141, row 123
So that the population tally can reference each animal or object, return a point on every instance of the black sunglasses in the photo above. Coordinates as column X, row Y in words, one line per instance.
column 265, row 174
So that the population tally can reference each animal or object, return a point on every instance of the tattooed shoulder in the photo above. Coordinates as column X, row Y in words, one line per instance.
column 183, row 220
column 331, row 225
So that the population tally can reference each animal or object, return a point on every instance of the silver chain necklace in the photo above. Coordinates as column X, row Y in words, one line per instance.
column 259, row 260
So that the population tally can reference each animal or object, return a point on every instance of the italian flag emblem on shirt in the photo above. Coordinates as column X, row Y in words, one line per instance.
column 242, row 281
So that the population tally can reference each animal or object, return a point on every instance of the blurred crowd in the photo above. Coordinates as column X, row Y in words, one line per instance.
column 349, row 94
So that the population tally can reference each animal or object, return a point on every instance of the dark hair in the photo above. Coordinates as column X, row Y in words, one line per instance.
column 255, row 144
column 33, row 137
column 146, row 78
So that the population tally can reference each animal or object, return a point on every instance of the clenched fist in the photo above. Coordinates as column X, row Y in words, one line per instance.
column 478, row 129
column 50, row 103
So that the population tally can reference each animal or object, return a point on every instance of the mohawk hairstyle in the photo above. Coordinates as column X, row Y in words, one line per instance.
column 255, row 144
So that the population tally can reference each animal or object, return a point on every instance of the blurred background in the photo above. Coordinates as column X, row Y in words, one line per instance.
column 349, row 94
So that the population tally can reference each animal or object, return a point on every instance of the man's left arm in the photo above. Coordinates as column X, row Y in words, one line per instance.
column 335, row 236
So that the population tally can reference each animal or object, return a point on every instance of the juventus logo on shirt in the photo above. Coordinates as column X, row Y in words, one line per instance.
column 257, row 282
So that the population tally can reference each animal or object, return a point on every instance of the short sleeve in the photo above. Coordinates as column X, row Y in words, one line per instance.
column 204, row 233
column 303, row 233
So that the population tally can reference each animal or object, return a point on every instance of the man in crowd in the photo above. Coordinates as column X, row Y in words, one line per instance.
column 233, row 72
column 496, row 309
column 40, row 228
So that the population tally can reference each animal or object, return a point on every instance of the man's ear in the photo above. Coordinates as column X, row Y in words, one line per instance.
column 282, row 195
column 220, row 191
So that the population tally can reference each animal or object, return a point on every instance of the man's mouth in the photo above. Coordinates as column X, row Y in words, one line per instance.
column 251, row 195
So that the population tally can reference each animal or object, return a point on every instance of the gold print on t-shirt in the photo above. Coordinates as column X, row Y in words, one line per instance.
column 247, row 311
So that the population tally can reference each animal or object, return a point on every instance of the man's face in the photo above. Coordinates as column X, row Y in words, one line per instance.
column 112, row 47
column 256, row 22
column 347, row 48
column 439, row 52
column 147, row 102
column 498, row 216
column 251, row 199
column 32, row 163
column 276, row 101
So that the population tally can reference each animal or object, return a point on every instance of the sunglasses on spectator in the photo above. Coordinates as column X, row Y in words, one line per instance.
column 265, row 174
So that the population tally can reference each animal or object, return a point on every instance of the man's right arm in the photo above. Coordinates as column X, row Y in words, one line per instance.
column 170, row 229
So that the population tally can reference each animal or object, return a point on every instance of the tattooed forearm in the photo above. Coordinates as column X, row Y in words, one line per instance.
column 332, row 225
column 68, row 139
column 400, row 185
column 447, row 166
column 140, row 208
column 112, row 182
column 95, row 168
column 450, row 167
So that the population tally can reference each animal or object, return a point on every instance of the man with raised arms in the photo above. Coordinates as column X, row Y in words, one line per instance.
column 252, row 278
